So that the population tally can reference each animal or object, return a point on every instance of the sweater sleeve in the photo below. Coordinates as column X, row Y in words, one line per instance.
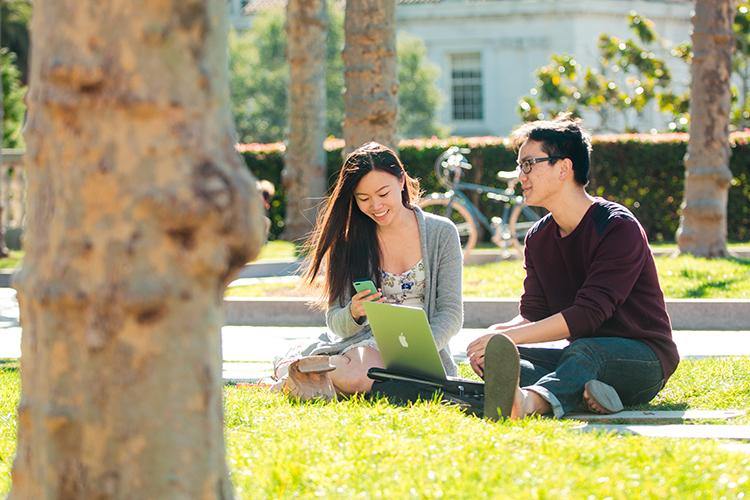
column 448, row 317
column 340, row 322
column 616, row 265
column 533, row 305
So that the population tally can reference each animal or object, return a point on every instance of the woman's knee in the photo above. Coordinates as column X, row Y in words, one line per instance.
column 350, row 381
column 350, row 375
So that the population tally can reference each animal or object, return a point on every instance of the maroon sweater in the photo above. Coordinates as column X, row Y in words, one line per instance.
column 601, row 277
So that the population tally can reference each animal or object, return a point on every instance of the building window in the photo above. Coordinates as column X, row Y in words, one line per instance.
column 466, row 86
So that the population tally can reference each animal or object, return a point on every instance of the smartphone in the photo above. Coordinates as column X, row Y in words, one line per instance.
column 366, row 284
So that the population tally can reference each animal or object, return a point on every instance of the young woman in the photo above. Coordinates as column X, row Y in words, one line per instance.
column 371, row 228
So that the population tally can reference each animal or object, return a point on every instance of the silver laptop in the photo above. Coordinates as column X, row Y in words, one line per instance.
column 404, row 339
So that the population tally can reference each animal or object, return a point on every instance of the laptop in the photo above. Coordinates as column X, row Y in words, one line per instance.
column 405, row 339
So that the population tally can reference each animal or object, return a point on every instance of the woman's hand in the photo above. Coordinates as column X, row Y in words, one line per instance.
column 357, row 308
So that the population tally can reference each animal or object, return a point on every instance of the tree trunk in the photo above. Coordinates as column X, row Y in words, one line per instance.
column 370, row 74
column 139, row 213
column 3, row 248
column 304, row 174
column 703, row 225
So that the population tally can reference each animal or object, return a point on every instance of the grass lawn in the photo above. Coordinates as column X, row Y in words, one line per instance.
column 358, row 449
column 13, row 259
column 680, row 277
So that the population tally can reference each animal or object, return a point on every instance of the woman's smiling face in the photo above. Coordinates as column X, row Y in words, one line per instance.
column 378, row 196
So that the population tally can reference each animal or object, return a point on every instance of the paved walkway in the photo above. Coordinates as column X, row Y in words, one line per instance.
column 248, row 351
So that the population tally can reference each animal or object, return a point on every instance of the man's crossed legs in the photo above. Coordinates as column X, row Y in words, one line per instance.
column 555, row 380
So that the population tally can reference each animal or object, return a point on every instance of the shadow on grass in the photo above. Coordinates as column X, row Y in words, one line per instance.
column 706, row 283
column 9, row 365
column 701, row 291
column 659, row 407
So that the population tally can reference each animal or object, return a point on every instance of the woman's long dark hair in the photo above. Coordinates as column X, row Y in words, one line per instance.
column 344, row 237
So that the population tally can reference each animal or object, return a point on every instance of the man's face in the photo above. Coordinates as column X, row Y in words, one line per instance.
column 539, row 184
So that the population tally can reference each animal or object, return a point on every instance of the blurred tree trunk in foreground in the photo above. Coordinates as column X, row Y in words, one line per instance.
column 370, row 74
column 304, row 174
column 703, row 225
column 139, row 213
column 3, row 248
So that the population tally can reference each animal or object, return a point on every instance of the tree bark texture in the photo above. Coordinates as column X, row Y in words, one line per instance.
column 703, row 225
column 3, row 248
column 139, row 213
column 304, row 174
column 370, row 74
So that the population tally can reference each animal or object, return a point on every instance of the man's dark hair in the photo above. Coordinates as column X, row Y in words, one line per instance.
column 563, row 137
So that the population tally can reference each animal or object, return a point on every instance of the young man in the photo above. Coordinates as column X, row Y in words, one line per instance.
column 591, row 279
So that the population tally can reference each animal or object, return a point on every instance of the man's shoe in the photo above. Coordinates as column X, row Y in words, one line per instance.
column 605, row 396
column 502, row 368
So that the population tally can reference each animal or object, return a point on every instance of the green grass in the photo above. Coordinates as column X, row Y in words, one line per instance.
column 358, row 449
column 693, row 278
column 10, row 391
column 280, row 449
column 278, row 249
column 683, row 277
column 13, row 260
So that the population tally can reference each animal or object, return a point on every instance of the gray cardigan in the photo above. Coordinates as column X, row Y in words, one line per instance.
column 441, row 254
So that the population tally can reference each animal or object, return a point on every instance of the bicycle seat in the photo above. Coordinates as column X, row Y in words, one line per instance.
column 507, row 176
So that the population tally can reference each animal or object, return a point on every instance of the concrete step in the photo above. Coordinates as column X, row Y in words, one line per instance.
column 686, row 314
column 685, row 431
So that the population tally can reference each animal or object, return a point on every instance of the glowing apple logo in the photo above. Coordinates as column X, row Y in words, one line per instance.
column 402, row 339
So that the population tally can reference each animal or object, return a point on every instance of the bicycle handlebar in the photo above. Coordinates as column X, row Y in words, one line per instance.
column 451, row 162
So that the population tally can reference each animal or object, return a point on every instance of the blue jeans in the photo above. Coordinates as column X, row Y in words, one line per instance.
column 560, row 375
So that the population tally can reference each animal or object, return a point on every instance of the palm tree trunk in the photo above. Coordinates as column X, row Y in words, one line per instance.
column 703, row 225
column 370, row 74
column 304, row 174
column 139, row 213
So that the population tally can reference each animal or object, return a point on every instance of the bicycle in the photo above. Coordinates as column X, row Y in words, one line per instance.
column 511, row 228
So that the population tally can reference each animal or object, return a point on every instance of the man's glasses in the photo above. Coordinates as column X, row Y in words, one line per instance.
column 525, row 165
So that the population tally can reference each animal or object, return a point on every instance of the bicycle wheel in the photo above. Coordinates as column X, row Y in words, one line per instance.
column 459, row 214
column 521, row 219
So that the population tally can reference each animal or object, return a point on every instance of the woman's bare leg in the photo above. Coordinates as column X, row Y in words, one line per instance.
column 350, row 376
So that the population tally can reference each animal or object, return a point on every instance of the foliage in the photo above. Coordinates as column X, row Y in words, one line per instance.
column 335, row 72
column 14, row 109
column 15, row 17
column 644, row 172
column 418, row 98
column 630, row 76
column 260, row 78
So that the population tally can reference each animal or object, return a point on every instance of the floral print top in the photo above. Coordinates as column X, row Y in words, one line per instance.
column 407, row 288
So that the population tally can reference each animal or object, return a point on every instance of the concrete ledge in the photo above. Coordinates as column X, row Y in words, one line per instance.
column 271, row 311
column 709, row 314
column 6, row 277
column 686, row 314
column 271, row 267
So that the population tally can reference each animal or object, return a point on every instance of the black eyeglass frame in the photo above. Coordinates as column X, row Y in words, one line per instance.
column 525, row 165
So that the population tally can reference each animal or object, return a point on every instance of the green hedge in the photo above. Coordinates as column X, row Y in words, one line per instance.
column 643, row 172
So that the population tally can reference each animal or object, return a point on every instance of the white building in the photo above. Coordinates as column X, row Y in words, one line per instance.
column 488, row 50
column 237, row 19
